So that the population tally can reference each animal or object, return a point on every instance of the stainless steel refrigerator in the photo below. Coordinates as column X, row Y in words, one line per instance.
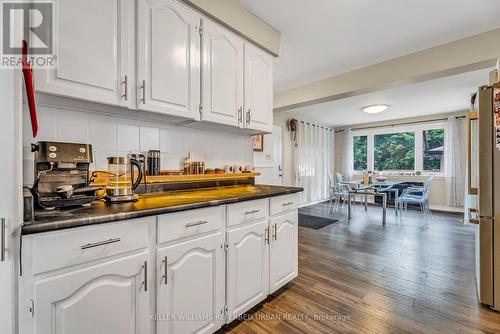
column 484, row 182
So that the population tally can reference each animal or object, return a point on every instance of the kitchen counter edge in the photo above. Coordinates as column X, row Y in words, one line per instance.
column 60, row 224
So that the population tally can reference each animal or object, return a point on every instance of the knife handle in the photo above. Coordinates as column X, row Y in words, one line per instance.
column 30, row 92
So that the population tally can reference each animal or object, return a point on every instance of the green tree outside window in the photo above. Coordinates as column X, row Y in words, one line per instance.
column 394, row 151
column 360, row 147
column 433, row 150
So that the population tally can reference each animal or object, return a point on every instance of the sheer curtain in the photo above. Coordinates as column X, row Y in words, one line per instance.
column 347, row 154
column 313, row 161
column 455, row 159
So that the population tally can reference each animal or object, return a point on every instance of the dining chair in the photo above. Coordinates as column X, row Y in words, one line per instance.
column 418, row 196
column 348, row 186
column 339, row 193
column 340, row 177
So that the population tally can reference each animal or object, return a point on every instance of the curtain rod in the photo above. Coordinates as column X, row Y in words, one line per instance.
column 397, row 124
column 319, row 126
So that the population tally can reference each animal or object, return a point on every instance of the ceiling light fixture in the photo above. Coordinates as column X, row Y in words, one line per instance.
column 375, row 109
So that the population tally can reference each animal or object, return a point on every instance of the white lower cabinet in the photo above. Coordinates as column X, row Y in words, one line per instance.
column 283, row 250
column 107, row 298
column 191, row 280
column 247, row 267
column 212, row 265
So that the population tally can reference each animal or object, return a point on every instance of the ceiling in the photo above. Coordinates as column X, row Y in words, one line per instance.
column 321, row 38
column 438, row 96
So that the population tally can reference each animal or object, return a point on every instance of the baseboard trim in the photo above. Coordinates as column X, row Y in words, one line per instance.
column 452, row 211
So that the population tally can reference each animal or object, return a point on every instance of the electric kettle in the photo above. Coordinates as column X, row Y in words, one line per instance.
column 120, row 183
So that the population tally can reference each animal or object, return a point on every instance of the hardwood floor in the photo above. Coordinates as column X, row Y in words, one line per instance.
column 362, row 277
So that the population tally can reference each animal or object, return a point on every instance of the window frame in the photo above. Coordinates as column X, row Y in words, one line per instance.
column 367, row 144
column 418, row 129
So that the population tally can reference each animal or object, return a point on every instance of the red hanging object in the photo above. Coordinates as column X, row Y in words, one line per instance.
column 30, row 92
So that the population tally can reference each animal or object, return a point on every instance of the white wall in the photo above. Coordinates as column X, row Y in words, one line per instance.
column 269, row 160
column 281, row 119
column 111, row 135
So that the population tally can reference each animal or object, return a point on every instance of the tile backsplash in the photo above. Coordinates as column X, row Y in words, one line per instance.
column 112, row 135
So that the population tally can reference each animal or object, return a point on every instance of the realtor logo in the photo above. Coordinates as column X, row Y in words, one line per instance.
column 31, row 21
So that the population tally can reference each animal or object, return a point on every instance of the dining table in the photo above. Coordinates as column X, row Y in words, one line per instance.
column 381, row 189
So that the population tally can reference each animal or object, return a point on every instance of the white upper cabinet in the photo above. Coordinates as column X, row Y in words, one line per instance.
column 109, row 298
column 222, row 75
column 191, row 281
column 159, row 56
column 283, row 250
column 168, row 58
column 258, row 89
column 94, row 46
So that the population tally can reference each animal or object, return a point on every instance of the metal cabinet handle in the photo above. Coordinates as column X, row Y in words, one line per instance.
column 248, row 116
column 251, row 212
column 287, row 203
column 2, row 242
column 100, row 243
column 472, row 116
column 266, row 235
column 275, row 233
column 201, row 222
column 143, row 87
column 165, row 269
column 125, row 88
column 145, row 266
column 240, row 114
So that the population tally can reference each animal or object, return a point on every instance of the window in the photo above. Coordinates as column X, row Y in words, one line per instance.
column 360, row 146
column 415, row 148
column 395, row 151
column 433, row 150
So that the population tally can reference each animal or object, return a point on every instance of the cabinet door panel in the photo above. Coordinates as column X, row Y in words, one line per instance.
column 258, row 89
column 283, row 250
column 106, row 298
column 91, row 52
column 222, row 75
column 9, row 195
column 88, row 301
column 102, row 35
column 174, row 51
column 247, row 267
column 169, row 58
column 194, row 285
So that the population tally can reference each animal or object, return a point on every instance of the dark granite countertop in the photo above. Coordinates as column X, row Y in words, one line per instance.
column 150, row 205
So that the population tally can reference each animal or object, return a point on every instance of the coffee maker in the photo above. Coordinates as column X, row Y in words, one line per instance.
column 62, row 175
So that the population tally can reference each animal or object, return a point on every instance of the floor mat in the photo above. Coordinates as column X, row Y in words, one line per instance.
column 314, row 221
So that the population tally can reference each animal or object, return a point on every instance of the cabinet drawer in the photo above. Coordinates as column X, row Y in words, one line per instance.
column 183, row 224
column 61, row 249
column 247, row 211
column 284, row 203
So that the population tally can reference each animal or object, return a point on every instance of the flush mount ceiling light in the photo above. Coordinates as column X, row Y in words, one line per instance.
column 375, row 109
